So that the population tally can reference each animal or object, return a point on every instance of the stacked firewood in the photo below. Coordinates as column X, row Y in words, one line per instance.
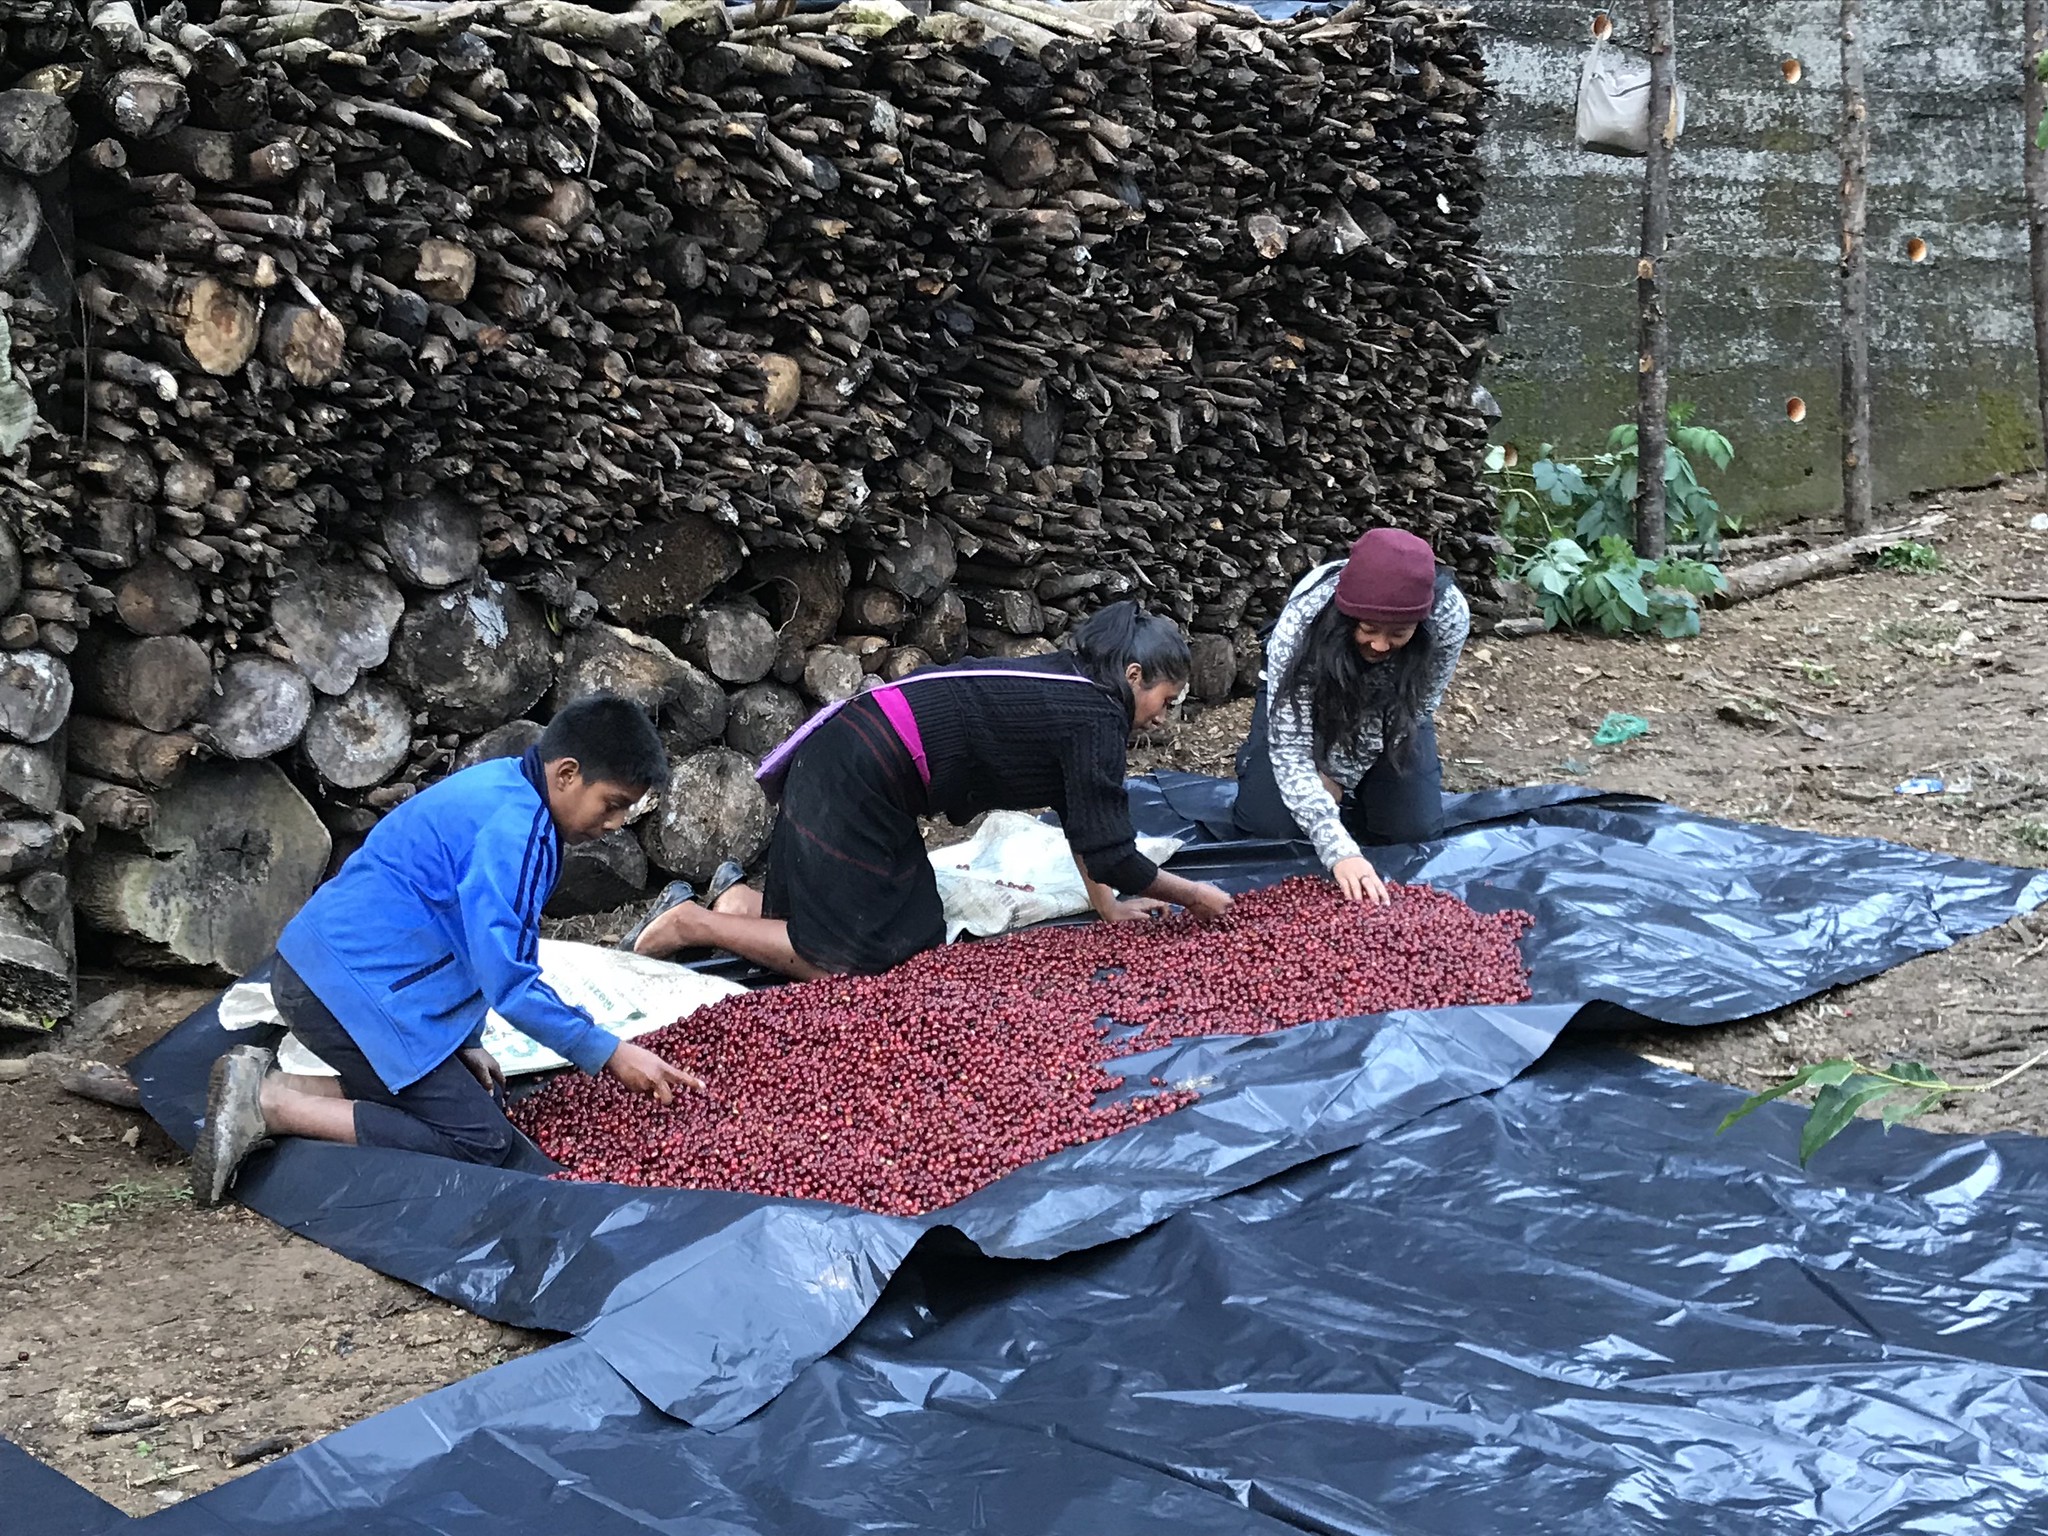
column 442, row 362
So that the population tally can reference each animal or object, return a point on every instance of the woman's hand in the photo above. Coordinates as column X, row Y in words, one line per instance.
column 644, row 1072
column 1126, row 909
column 1359, row 881
column 1206, row 901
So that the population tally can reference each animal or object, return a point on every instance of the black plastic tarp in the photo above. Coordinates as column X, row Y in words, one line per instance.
column 710, row 1303
column 1565, row 1307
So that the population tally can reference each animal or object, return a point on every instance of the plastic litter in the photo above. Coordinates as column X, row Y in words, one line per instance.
column 1614, row 102
column 1618, row 729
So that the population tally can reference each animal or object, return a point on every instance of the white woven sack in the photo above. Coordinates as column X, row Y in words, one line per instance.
column 1614, row 102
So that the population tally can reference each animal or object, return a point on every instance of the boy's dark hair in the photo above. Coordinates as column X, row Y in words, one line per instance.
column 612, row 740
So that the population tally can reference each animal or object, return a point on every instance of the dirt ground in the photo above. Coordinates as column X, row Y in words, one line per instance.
column 206, row 1334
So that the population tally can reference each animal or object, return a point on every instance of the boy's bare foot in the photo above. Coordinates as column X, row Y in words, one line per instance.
column 316, row 1085
column 234, row 1125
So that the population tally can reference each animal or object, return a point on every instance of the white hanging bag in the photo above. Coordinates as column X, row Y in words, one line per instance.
column 1614, row 102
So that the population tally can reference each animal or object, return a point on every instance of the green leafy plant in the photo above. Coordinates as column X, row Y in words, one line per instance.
column 1909, row 556
column 123, row 1198
column 1591, row 497
column 1567, row 524
column 1613, row 589
column 2041, row 72
column 1904, row 1090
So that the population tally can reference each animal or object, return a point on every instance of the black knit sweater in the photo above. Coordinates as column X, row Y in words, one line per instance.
column 994, row 744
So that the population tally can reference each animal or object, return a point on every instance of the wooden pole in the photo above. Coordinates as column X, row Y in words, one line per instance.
column 1653, row 376
column 2035, row 22
column 1855, row 414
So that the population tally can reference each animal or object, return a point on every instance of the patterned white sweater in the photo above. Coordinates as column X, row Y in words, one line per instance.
column 1290, row 722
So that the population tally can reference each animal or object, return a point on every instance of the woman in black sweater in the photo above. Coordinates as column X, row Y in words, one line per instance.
column 850, row 888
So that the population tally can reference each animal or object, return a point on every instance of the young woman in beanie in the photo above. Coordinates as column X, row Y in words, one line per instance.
column 1342, row 748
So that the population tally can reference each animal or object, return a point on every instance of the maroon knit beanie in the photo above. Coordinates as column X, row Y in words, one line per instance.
column 1390, row 578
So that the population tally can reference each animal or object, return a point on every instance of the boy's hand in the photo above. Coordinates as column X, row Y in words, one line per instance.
column 485, row 1069
column 644, row 1072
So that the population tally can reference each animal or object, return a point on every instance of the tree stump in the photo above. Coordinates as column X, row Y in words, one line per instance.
column 508, row 740
column 307, row 343
column 735, row 645
column 235, row 850
column 474, row 657
column 127, row 754
column 712, row 810
column 831, row 674
column 664, row 571
column 156, row 598
column 1215, row 667
column 159, row 683
column 941, row 630
column 804, row 590
column 35, row 695
column 338, row 621
column 602, row 658
column 261, row 709
column 763, row 717
column 36, row 132
column 696, row 716
column 33, row 776
column 874, row 611
column 922, row 564
column 36, row 988
column 361, row 738
column 600, row 875
column 434, row 541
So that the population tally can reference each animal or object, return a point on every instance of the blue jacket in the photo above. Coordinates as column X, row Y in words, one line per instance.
column 436, row 918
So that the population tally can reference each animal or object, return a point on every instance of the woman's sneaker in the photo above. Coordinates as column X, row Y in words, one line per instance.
column 678, row 892
column 234, row 1126
column 723, row 879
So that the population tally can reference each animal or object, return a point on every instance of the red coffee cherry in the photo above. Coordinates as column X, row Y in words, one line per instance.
column 907, row 1092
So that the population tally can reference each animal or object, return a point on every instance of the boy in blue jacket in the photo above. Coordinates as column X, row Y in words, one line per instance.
column 387, row 972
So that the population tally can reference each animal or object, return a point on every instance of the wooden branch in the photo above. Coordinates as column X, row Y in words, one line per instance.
column 1766, row 576
column 1653, row 363
column 1855, row 409
column 2035, row 178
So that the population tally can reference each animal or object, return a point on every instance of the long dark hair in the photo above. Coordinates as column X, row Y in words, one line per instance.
column 1110, row 639
column 1342, row 690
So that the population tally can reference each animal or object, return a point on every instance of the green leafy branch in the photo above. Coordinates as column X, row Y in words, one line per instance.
column 1910, row 555
column 1905, row 1090
column 1567, row 523
column 1612, row 588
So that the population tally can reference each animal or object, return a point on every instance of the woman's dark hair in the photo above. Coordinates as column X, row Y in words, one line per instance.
column 612, row 740
column 1111, row 638
column 1342, row 690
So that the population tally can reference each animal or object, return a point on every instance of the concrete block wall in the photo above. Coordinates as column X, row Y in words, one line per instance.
column 1754, row 309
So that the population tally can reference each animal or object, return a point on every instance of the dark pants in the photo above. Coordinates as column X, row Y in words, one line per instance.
column 447, row 1113
column 1400, row 799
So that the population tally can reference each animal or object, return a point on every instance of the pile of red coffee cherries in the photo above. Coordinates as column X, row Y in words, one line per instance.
column 905, row 1092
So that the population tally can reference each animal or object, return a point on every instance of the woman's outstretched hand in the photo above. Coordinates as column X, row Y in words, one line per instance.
column 1359, row 881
